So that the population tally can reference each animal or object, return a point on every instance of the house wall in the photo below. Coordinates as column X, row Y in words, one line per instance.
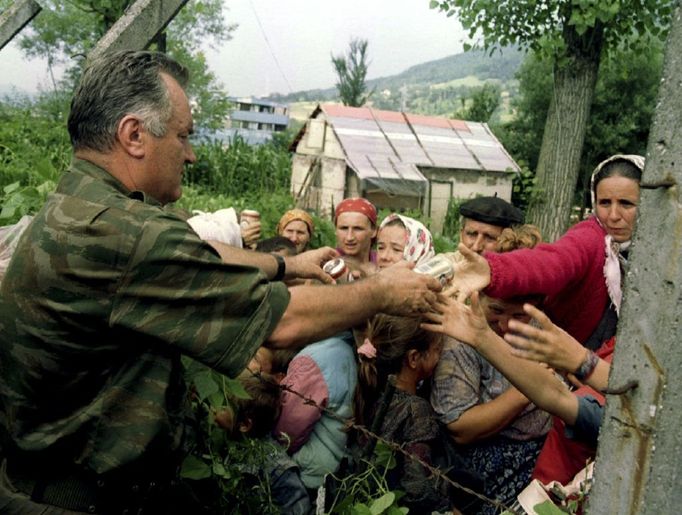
column 326, row 182
column 395, row 203
column 319, row 138
column 320, row 148
column 445, row 184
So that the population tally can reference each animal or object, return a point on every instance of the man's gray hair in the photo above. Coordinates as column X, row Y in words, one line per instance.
column 118, row 84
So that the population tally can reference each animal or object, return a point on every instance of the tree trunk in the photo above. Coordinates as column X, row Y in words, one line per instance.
column 562, row 141
column 637, row 470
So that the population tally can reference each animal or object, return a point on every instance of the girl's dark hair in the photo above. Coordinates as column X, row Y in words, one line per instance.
column 276, row 244
column 393, row 337
column 263, row 406
column 617, row 168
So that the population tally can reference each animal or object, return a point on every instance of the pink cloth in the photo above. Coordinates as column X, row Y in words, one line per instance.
column 367, row 349
column 297, row 419
column 570, row 272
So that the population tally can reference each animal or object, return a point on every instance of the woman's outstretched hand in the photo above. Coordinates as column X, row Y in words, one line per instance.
column 456, row 319
column 471, row 273
column 547, row 343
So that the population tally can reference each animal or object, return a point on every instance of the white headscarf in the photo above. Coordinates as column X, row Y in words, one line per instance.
column 614, row 257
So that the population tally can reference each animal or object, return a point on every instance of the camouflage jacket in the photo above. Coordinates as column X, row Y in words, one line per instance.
column 104, row 293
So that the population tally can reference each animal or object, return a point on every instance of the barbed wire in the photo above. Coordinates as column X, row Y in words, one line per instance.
column 436, row 473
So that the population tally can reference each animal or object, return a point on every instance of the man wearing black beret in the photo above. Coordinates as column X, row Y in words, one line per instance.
column 483, row 219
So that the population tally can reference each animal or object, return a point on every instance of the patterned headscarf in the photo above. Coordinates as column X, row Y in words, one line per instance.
column 356, row 205
column 292, row 215
column 614, row 257
column 418, row 240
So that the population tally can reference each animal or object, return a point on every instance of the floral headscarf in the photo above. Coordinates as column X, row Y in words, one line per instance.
column 418, row 240
column 614, row 257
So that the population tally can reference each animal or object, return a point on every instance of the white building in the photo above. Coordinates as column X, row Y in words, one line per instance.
column 396, row 160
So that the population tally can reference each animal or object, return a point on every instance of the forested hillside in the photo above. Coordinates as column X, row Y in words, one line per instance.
column 435, row 87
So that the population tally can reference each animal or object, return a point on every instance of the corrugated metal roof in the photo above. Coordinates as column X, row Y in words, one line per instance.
column 388, row 145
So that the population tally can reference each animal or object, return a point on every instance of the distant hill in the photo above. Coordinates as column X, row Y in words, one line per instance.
column 8, row 90
column 435, row 87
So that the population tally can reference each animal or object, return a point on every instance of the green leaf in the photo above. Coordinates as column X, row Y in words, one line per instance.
column 205, row 384
column 382, row 503
column 236, row 389
column 11, row 187
column 547, row 508
column 467, row 46
column 433, row 4
column 194, row 468
column 361, row 509
column 219, row 470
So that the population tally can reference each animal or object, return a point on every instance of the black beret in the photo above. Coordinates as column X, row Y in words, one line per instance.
column 491, row 210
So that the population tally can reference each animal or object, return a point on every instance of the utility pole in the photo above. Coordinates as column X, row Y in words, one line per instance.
column 638, row 467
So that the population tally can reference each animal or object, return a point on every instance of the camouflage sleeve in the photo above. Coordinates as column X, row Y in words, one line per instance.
column 176, row 291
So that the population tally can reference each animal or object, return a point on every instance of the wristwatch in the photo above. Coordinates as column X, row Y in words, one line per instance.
column 281, row 267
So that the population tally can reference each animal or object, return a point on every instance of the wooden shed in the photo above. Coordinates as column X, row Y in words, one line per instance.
column 397, row 160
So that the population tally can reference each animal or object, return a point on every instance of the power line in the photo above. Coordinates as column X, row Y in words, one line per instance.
column 272, row 52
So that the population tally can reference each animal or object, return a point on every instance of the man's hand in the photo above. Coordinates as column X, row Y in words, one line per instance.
column 308, row 265
column 549, row 343
column 455, row 319
column 405, row 292
column 250, row 234
column 471, row 274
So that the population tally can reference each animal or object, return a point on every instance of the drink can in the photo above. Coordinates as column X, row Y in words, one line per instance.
column 248, row 216
column 439, row 267
column 337, row 268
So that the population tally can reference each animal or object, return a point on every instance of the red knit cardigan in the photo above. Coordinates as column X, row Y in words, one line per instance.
column 570, row 272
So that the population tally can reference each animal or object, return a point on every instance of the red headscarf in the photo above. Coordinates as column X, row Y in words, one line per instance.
column 357, row 205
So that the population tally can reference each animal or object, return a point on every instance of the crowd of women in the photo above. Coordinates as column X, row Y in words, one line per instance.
column 500, row 384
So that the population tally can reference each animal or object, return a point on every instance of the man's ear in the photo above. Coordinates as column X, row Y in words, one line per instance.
column 131, row 135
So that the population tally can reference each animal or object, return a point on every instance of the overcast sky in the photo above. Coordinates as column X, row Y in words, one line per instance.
column 302, row 35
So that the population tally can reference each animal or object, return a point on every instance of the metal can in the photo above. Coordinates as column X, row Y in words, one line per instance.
column 248, row 216
column 337, row 268
column 439, row 267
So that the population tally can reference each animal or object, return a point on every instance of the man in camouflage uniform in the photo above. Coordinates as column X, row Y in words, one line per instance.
column 107, row 289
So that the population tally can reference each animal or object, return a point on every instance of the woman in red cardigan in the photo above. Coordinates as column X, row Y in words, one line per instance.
column 580, row 273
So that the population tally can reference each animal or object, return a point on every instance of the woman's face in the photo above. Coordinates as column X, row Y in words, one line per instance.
column 390, row 245
column 617, row 199
column 297, row 233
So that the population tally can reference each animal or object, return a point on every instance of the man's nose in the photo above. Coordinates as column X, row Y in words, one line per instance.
column 503, row 323
column 478, row 244
column 190, row 157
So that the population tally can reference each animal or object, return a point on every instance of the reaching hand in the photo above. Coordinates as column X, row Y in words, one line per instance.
column 405, row 292
column 471, row 274
column 250, row 234
column 308, row 265
column 454, row 318
column 549, row 343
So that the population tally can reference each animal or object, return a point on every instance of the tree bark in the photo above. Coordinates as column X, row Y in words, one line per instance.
column 562, row 140
column 637, row 470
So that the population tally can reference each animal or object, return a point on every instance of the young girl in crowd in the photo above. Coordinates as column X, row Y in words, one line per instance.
column 398, row 346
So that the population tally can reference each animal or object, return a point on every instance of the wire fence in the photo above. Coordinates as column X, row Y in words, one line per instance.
column 436, row 473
